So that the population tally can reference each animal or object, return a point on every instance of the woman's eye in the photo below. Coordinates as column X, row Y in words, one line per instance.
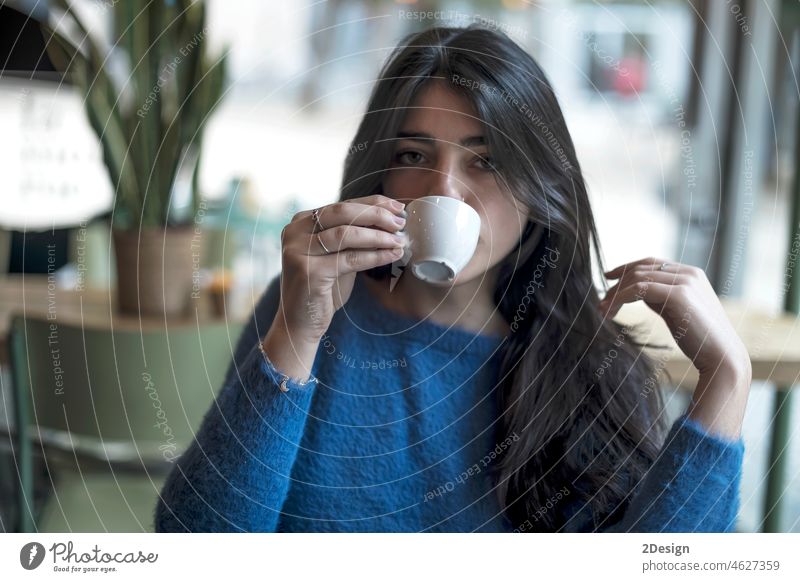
column 486, row 163
column 409, row 157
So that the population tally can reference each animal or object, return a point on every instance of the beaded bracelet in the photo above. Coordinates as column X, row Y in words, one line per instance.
column 284, row 378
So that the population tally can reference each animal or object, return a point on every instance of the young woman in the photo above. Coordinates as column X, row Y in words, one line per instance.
column 507, row 400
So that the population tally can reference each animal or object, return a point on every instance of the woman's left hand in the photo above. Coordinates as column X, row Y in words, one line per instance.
column 685, row 299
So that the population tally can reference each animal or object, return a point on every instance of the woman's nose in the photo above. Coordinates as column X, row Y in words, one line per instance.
column 445, row 181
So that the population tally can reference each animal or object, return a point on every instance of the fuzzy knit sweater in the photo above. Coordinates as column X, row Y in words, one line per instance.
column 398, row 435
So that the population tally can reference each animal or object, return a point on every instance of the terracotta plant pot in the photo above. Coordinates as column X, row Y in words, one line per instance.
column 156, row 270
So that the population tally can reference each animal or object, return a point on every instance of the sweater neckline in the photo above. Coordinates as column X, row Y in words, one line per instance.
column 380, row 320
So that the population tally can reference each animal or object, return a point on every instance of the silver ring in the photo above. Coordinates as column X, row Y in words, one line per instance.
column 327, row 252
column 663, row 266
column 315, row 216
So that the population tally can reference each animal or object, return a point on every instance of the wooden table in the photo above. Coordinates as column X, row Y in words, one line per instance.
column 773, row 342
column 31, row 294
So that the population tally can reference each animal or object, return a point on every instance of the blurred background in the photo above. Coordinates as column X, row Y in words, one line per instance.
column 218, row 121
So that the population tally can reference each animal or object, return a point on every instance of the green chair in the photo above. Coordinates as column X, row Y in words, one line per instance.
column 108, row 409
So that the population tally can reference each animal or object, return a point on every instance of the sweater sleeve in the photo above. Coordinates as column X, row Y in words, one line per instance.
column 693, row 486
column 236, row 473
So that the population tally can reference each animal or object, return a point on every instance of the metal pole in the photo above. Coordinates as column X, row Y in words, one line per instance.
column 24, row 447
column 782, row 408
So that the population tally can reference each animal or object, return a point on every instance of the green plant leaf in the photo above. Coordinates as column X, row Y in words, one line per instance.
column 146, row 138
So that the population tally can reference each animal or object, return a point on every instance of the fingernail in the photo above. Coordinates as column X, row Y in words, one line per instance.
column 398, row 205
column 399, row 221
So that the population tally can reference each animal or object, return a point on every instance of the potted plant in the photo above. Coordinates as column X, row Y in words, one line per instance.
column 148, row 95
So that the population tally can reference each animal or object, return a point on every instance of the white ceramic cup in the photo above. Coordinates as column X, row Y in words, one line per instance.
column 442, row 236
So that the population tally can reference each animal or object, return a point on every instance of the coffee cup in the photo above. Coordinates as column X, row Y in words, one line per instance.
column 442, row 237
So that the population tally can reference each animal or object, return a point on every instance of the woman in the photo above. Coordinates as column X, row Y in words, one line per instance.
column 505, row 401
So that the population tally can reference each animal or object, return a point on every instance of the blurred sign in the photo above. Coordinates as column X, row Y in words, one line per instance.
column 51, row 169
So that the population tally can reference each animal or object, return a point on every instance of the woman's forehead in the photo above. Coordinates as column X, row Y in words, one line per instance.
column 440, row 111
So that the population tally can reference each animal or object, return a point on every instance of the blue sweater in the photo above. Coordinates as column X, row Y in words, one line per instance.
column 398, row 436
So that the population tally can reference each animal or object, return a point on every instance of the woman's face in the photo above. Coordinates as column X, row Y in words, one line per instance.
column 441, row 151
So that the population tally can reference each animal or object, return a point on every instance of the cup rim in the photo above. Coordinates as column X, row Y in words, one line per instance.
column 438, row 196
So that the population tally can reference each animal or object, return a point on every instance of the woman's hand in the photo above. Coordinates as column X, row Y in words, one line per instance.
column 684, row 298
column 315, row 283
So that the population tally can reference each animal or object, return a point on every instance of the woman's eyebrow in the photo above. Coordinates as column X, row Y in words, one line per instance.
column 475, row 140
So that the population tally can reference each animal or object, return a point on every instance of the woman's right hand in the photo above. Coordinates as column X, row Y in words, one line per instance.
column 360, row 235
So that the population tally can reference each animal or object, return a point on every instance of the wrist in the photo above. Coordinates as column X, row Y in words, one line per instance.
column 290, row 354
column 280, row 331
column 720, row 398
column 285, row 379
column 734, row 371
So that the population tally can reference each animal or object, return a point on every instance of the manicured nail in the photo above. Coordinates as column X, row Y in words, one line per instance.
column 399, row 221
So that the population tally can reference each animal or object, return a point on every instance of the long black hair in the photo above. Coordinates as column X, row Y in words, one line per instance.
column 576, row 388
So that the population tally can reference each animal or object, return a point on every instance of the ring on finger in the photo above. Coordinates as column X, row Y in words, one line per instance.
column 663, row 266
column 317, row 224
